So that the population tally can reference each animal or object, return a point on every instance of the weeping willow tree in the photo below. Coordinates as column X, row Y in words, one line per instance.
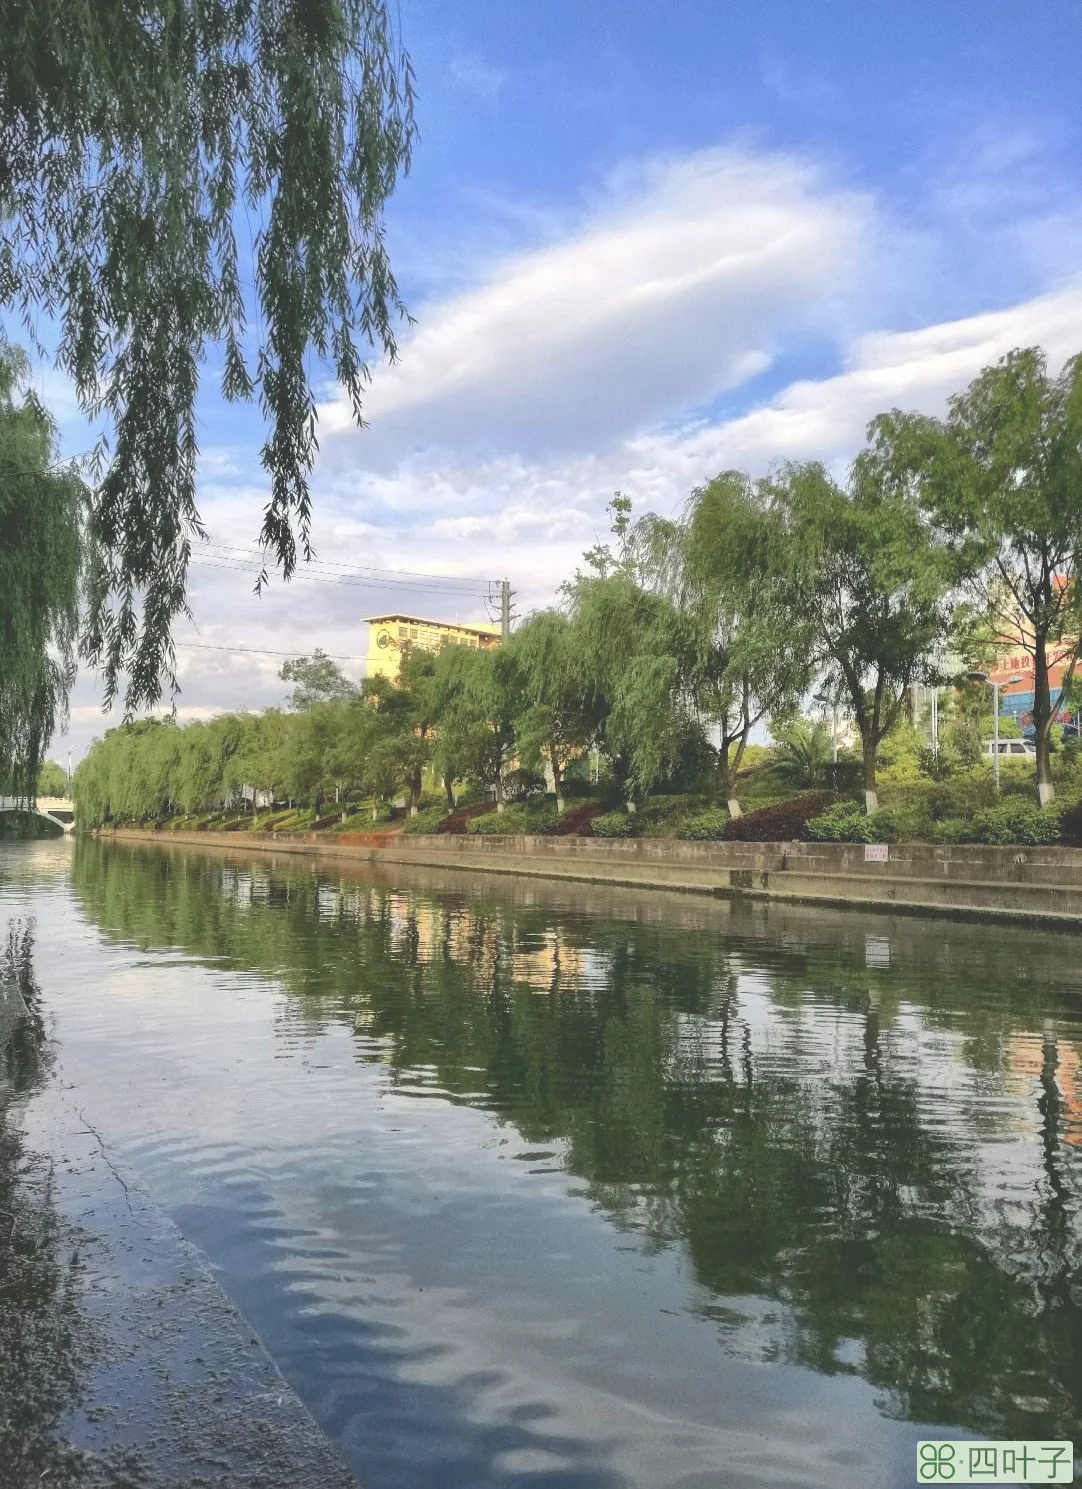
column 170, row 170
column 41, row 514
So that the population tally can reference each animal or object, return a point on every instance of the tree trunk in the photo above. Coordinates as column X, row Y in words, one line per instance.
column 557, row 781
column 449, row 792
column 728, row 779
column 1042, row 721
column 415, row 791
column 871, row 798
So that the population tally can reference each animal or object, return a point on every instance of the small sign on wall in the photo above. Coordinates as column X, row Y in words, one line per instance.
column 876, row 852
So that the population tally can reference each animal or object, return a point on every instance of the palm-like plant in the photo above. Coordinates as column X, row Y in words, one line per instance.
column 804, row 753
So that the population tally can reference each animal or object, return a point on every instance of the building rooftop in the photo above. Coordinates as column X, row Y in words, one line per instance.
column 422, row 620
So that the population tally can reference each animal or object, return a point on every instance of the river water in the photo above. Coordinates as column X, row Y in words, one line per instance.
column 573, row 1187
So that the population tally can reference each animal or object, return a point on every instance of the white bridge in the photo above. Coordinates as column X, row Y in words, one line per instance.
column 58, row 809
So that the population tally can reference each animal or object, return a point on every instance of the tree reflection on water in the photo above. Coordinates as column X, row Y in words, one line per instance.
column 44, row 1339
column 872, row 1161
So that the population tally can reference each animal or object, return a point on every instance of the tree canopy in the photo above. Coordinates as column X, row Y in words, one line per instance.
column 683, row 635
column 178, row 179
column 1001, row 479
column 316, row 679
column 749, row 650
column 861, row 571
column 42, row 506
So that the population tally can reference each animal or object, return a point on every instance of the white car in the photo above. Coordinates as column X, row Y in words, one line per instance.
column 1014, row 747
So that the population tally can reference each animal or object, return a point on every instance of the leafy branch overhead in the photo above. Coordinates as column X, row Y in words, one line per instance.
column 176, row 177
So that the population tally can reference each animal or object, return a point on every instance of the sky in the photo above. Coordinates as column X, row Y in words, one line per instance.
column 643, row 242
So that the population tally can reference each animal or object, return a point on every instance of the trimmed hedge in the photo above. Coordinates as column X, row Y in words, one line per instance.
column 847, row 822
column 427, row 820
column 1014, row 820
column 705, row 827
column 615, row 825
column 521, row 818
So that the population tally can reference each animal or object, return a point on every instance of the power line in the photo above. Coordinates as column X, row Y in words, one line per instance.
column 266, row 651
column 361, row 569
column 431, row 584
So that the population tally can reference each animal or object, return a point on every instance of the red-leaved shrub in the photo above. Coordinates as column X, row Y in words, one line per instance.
column 456, row 820
column 577, row 821
column 778, row 824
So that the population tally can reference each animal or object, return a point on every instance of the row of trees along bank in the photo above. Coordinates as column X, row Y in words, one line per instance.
column 679, row 636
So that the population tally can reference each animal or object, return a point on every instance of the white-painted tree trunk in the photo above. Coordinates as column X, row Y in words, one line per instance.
column 734, row 807
column 871, row 802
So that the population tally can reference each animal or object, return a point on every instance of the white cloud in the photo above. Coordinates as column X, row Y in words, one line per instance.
column 685, row 281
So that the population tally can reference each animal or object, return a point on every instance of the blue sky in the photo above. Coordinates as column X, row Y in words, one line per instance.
column 644, row 242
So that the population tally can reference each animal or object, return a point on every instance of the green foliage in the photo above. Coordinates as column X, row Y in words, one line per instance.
column 847, row 822
column 747, row 652
column 426, row 821
column 520, row 819
column 677, row 630
column 1016, row 821
column 134, row 141
column 26, row 826
column 863, row 575
column 615, row 825
column 639, row 649
column 317, row 679
column 559, row 706
column 52, row 780
column 703, row 826
column 477, row 696
column 804, row 752
column 41, row 517
column 1001, row 480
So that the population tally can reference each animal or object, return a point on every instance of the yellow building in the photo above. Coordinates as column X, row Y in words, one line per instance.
column 389, row 634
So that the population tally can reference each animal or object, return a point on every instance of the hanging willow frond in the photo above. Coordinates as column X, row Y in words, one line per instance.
column 139, row 141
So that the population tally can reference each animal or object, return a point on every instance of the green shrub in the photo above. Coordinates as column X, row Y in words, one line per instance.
column 1015, row 820
column 703, row 826
column 1018, row 821
column 523, row 785
column 953, row 830
column 519, row 818
column 615, row 825
column 511, row 821
column 841, row 823
column 847, row 822
column 427, row 820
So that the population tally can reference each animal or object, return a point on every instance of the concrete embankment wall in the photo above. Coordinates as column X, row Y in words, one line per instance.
column 1036, row 885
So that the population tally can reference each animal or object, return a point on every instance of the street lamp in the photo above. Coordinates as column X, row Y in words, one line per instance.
column 995, row 686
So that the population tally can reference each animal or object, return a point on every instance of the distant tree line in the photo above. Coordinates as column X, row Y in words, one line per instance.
column 679, row 636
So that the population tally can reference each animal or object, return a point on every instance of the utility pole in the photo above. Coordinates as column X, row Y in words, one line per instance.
column 505, row 610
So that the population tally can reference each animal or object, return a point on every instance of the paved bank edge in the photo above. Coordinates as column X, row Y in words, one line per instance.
column 1037, row 886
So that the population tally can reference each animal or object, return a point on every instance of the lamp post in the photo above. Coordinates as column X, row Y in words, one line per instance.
column 995, row 686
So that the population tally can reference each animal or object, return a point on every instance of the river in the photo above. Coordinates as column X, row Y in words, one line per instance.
column 576, row 1188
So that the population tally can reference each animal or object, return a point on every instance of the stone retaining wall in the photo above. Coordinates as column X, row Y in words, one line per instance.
column 1040, row 885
